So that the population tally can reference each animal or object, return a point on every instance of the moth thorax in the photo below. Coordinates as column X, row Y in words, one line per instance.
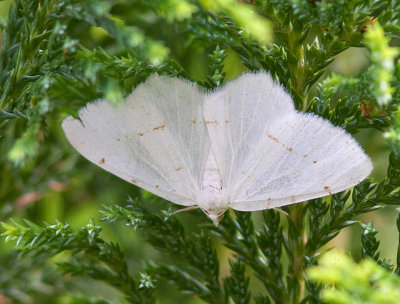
column 211, row 175
column 212, row 197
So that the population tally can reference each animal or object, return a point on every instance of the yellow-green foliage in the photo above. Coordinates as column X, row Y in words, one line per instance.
column 348, row 282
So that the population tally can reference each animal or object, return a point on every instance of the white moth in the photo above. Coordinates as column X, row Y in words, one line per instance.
column 242, row 146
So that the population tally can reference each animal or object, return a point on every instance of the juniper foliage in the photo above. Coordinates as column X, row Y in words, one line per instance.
column 58, row 55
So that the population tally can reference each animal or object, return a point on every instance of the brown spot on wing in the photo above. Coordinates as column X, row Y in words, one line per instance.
column 177, row 169
column 157, row 186
column 118, row 139
column 162, row 127
column 194, row 122
column 226, row 121
column 290, row 149
column 134, row 181
column 102, row 160
column 140, row 134
column 273, row 138
column 326, row 188
column 211, row 122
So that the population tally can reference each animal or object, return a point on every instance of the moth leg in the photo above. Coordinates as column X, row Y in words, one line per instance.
column 277, row 209
column 185, row 209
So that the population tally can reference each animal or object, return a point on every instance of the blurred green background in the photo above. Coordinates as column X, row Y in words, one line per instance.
column 60, row 184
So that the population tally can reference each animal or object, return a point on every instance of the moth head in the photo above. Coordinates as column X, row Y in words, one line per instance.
column 215, row 217
column 214, row 202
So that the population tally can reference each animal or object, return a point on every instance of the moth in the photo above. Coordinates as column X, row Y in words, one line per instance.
column 242, row 146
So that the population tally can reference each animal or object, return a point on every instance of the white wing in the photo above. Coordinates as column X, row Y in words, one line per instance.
column 156, row 139
column 271, row 155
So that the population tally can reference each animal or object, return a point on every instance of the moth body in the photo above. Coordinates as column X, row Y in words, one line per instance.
column 212, row 197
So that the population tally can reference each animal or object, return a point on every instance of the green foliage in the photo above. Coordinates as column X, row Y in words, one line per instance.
column 199, row 272
column 253, row 24
column 363, row 283
column 381, row 72
column 90, row 255
column 58, row 55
